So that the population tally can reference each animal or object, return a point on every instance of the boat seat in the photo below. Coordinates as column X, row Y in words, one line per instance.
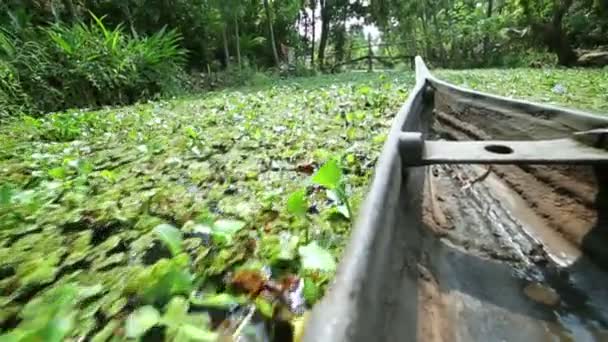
column 589, row 147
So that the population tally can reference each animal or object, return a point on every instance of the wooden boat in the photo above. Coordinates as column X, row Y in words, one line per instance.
column 487, row 220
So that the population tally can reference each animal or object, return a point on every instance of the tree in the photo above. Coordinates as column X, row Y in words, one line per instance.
column 238, row 41
column 486, row 39
column 313, row 9
column 225, row 41
column 549, row 28
column 271, row 33
column 325, row 22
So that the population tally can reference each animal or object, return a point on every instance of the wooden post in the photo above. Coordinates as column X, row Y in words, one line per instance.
column 369, row 53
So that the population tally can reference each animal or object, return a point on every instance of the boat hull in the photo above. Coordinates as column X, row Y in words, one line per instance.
column 465, row 252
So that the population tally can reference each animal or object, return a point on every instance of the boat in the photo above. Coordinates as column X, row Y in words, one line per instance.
column 486, row 220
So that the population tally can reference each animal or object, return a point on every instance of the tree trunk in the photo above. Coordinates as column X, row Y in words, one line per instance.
column 452, row 51
column 226, row 52
column 370, row 54
column 275, row 54
column 486, row 38
column 71, row 11
column 238, row 41
column 438, row 38
column 557, row 42
column 340, row 43
column 565, row 53
column 552, row 33
column 313, row 7
column 299, row 23
column 558, row 38
column 325, row 18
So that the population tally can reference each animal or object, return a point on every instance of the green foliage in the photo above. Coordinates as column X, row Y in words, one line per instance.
column 312, row 291
column 180, row 325
column 316, row 258
column 166, row 278
column 99, row 65
column 50, row 317
column 92, row 219
column 184, row 326
column 219, row 301
column 13, row 99
column 83, row 207
column 222, row 231
column 83, row 65
column 296, row 203
column 171, row 236
column 582, row 88
column 140, row 321
column 329, row 175
column 277, row 249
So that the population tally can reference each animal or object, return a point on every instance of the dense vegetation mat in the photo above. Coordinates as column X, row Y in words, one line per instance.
column 585, row 89
column 202, row 217
column 152, row 215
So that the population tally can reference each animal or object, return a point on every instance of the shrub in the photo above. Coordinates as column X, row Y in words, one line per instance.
column 82, row 65
column 98, row 66
column 12, row 97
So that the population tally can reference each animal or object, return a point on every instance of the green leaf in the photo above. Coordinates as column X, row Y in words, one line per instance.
column 89, row 291
column 228, row 226
column 171, row 236
column 191, row 132
column 277, row 248
column 85, row 167
column 316, row 258
column 167, row 280
column 343, row 209
column 175, row 311
column 223, row 230
column 6, row 193
column 106, row 333
column 220, row 300
column 140, row 321
column 176, row 317
column 61, row 43
column 364, row 90
column 311, row 291
column 329, row 175
column 57, row 173
column 108, row 175
column 264, row 307
column 296, row 203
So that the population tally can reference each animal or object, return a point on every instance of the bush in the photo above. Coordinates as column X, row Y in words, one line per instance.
column 12, row 97
column 97, row 66
column 61, row 67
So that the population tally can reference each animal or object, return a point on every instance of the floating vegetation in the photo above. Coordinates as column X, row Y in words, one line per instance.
column 193, row 219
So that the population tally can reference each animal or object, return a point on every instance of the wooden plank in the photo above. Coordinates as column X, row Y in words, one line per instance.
column 558, row 151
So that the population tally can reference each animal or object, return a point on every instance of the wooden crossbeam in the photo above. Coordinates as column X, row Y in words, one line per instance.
column 415, row 151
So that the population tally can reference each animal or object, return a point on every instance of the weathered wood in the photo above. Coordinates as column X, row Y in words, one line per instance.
column 559, row 151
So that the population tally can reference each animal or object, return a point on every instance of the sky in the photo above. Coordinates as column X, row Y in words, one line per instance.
column 367, row 29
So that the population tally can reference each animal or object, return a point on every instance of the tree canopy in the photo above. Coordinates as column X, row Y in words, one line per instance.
column 97, row 52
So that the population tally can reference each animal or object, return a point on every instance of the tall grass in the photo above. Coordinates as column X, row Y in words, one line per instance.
column 86, row 65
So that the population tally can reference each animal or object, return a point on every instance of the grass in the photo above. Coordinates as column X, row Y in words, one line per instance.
column 134, row 216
